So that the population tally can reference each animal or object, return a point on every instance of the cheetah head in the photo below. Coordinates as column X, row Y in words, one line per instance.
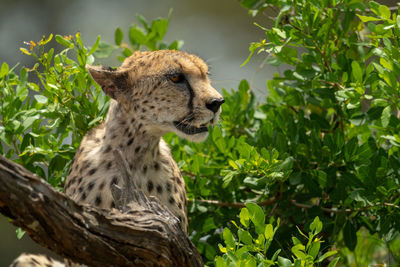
column 166, row 90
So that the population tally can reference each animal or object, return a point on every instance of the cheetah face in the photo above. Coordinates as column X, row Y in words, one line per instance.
column 169, row 91
column 188, row 104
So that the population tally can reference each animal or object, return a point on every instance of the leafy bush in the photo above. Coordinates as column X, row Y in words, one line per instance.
column 324, row 144
column 38, row 118
column 250, row 251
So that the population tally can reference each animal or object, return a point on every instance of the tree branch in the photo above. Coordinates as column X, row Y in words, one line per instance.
column 149, row 236
column 272, row 200
column 238, row 205
column 337, row 211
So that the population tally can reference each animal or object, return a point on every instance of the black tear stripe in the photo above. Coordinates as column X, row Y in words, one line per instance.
column 191, row 96
column 190, row 89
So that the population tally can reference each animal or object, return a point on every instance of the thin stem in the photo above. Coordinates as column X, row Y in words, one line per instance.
column 294, row 202
column 233, row 204
column 334, row 210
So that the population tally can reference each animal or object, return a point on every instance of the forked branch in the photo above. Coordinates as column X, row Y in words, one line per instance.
column 147, row 236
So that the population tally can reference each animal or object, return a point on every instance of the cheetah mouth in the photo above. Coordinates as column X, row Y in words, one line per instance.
column 189, row 129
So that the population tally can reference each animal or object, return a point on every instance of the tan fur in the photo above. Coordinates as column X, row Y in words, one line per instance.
column 146, row 103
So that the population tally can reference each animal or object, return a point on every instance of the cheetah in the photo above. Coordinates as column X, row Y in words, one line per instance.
column 152, row 93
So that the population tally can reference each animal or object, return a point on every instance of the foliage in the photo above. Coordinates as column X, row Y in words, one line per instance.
column 324, row 144
column 39, row 118
column 149, row 35
column 245, row 250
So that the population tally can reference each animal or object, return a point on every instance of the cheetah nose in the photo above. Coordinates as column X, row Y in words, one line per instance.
column 214, row 104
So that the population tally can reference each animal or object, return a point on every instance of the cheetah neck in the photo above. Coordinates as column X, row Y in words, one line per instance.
column 94, row 170
column 128, row 133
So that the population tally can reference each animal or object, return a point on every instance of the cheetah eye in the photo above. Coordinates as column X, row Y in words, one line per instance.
column 177, row 78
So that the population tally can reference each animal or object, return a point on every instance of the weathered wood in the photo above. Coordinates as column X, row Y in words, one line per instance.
column 148, row 235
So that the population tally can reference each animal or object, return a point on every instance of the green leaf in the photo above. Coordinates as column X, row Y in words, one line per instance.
column 314, row 249
column 250, row 262
column 275, row 256
column 104, row 50
column 143, row 20
column 386, row 64
column 384, row 12
column 257, row 216
column 4, row 70
column 374, row 6
column 244, row 217
column 136, row 35
column 22, row 92
column 316, row 226
column 118, row 36
column 20, row 233
column 350, row 236
column 159, row 27
column 228, row 238
column 269, row 232
column 218, row 139
column 380, row 102
column 25, row 51
column 298, row 251
column 95, row 46
column 284, row 262
column 326, row 255
column 41, row 99
column 219, row 262
column 176, row 45
column 356, row 71
column 295, row 240
column 13, row 125
column 127, row 52
column 208, row 225
column 27, row 123
column 334, row 262
column 279, row 32
column 367, row 19
column 244, row 88
column 385, row 118
column 245, row 237
column 64, row 41
column 398, row 21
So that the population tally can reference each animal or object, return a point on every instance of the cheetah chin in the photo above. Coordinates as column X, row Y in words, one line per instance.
column 190, row 129
column 190, row 132
column 194, row 133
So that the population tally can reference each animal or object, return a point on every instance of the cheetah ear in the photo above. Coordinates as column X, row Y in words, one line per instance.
column 113, row 82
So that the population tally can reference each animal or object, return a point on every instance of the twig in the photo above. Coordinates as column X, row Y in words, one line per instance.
column 294, row 202
column 233, row 204
column 335, row 210
column 126, row 195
